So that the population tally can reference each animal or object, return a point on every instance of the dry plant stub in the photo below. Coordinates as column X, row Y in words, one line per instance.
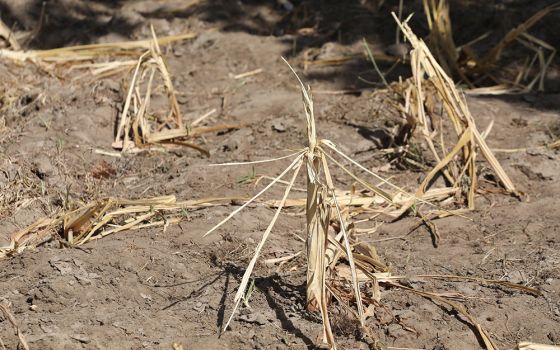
column 323, row 248
column 8, row 315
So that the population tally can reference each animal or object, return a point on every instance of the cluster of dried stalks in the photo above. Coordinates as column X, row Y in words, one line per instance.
column 485, row 73
column 436, row 111
column 339, row 266
column 325, row 245
column 139, row 126
column 463, row 63
column 103, row 217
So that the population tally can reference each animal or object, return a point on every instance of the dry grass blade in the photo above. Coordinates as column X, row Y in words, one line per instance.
column 374, row 63
column 124, row 116
column 505, row 284
column 496, row 90
column 362, row 182
column 487, row 153
column 181, row 132
column 102, row 69
column 344, row 199
column 276, row 179
column 465, row 138
column 10, row 317
column 298, row 153
column 333, row 147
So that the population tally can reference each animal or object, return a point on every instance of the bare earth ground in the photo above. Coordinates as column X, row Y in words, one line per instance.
column 149, row 288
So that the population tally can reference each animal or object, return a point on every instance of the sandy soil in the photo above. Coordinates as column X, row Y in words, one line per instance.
column 149, row 288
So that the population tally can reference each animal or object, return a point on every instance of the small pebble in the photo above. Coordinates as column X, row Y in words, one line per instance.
column 279, row 127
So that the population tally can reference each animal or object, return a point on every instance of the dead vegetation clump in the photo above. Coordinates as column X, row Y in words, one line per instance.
column 434, row 110
column 483, row 71
column 91, row 221
column 150, row 115
column 325, row 248
column 140, row 126
column 340, row 268
column 98, row 60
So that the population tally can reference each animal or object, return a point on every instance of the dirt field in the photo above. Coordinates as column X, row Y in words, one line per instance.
column 149, row 289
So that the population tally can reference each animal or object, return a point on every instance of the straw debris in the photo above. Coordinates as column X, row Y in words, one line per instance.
column 139, row 126
column 72, row 54
column 103, row 217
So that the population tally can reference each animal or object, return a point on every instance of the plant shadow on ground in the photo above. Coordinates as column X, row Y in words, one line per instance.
column 55, row 24
column 309, row 27
column 275, row 290
column 313, row 25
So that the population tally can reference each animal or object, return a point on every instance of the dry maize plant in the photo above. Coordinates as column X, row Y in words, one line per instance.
column 136, row 111
column 327, row 243
column 140, row 125
column 339, row 267
column 436, row 111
